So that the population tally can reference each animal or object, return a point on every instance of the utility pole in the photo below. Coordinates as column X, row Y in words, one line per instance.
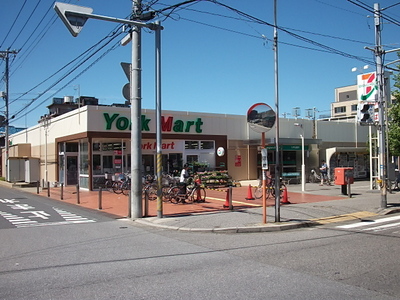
column 6, row 56
column 381, row 105
column 136, row 111
column 277, row 152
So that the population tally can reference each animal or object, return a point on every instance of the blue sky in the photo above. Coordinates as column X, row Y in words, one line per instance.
column 213, row 59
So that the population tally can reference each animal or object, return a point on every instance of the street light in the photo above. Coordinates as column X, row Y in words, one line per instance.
column 303, row 166
column 74, row 17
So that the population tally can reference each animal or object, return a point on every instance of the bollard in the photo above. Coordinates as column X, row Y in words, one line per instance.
column 129, row 205
column 62, row 191
column 48, row 189
column 146, row 203
column 78, row 200
column 100, row 198
column 348, row 188
column 37, row 186
column 228, row 199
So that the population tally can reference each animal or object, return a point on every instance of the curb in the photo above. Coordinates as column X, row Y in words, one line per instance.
column 240, row 229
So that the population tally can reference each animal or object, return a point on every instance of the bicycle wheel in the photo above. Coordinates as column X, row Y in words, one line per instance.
column 108, row 185
column 152, row 192
column 198, row 195
column 164, row 194
column 173, row 194
column 117, row 187
column 258, row 192
column 126, row 188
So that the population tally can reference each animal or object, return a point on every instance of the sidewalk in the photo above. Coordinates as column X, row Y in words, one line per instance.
column 317, row 205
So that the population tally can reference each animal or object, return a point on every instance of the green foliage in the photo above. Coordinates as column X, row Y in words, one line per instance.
column 394, row 117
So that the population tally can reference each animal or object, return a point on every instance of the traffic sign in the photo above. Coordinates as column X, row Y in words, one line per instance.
column 73, row 22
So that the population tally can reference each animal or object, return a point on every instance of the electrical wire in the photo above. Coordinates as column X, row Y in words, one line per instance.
column 66, row 75
column 12, row 26
column 117, row 44
column 299, row 37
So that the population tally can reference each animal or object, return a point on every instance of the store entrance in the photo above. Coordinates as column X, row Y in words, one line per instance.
column 171, row 163
column 72, row 170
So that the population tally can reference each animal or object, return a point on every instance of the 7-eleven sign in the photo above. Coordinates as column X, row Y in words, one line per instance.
column 367, row 87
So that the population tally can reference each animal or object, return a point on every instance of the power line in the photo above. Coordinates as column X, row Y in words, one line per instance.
column 12, row 26
column 66, row 75
column 117, row 44
column 26, row 23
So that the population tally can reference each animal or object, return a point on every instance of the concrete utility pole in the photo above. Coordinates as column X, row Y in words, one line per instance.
column 6, row 56
column 136, row 111
column 381, row 105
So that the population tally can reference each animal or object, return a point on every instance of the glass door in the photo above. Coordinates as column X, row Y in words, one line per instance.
column 72, row 170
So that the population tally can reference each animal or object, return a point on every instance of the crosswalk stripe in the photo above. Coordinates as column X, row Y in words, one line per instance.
column 361, row 224
column 382, row 227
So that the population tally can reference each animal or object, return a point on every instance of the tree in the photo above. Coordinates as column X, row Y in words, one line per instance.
column 394, row 117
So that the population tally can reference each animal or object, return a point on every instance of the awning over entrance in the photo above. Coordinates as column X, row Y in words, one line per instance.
column 333, row 150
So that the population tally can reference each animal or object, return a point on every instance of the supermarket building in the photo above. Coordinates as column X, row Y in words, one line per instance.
column 80, row 146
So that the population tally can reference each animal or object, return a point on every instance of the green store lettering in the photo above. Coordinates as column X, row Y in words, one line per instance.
column 167, row 124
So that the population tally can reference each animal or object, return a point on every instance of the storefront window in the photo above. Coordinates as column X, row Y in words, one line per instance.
column 113, row 146
column 191, row 144
column 96, row 147
column 207, row 145
column 107, row 163
column 71, row 147
column 97, row 164
column 84, row 158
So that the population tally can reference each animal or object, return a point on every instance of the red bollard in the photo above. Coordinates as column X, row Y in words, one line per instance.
column 249, row 194
column 285, row 196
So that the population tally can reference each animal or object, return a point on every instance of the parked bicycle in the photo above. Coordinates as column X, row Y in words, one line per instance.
column 269, row 188
column 112, row 184
column 150, row 187
column 314, row 177
column 195, row 192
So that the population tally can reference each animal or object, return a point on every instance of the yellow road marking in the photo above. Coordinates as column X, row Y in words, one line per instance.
column 237, row 202
column 345, row 217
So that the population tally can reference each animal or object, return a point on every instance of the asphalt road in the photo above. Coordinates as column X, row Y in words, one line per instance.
column 82, row 254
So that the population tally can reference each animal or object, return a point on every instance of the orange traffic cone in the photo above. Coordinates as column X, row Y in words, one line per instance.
column 285, row 196
column 226, row 204
column 249, row 194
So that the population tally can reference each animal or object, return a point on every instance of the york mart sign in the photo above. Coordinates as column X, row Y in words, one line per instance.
column 168, row 124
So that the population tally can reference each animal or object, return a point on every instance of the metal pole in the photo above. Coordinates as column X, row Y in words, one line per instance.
column 277, row 156
column 381, row 105
column 136, row 113
column 230, row 198
column 78, row 197
column 158, row 120
column 264, row 183
column 100, row 198
column 303, row 166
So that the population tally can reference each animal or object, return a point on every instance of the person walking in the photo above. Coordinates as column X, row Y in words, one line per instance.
column 324, row 173
column 183, row 180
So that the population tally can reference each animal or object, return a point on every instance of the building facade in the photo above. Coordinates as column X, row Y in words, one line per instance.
column 80, row 146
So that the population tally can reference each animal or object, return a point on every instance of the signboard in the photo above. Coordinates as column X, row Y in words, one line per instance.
column 238, row 160
column 261, row 117
column 367, row 87
column 264, row 159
